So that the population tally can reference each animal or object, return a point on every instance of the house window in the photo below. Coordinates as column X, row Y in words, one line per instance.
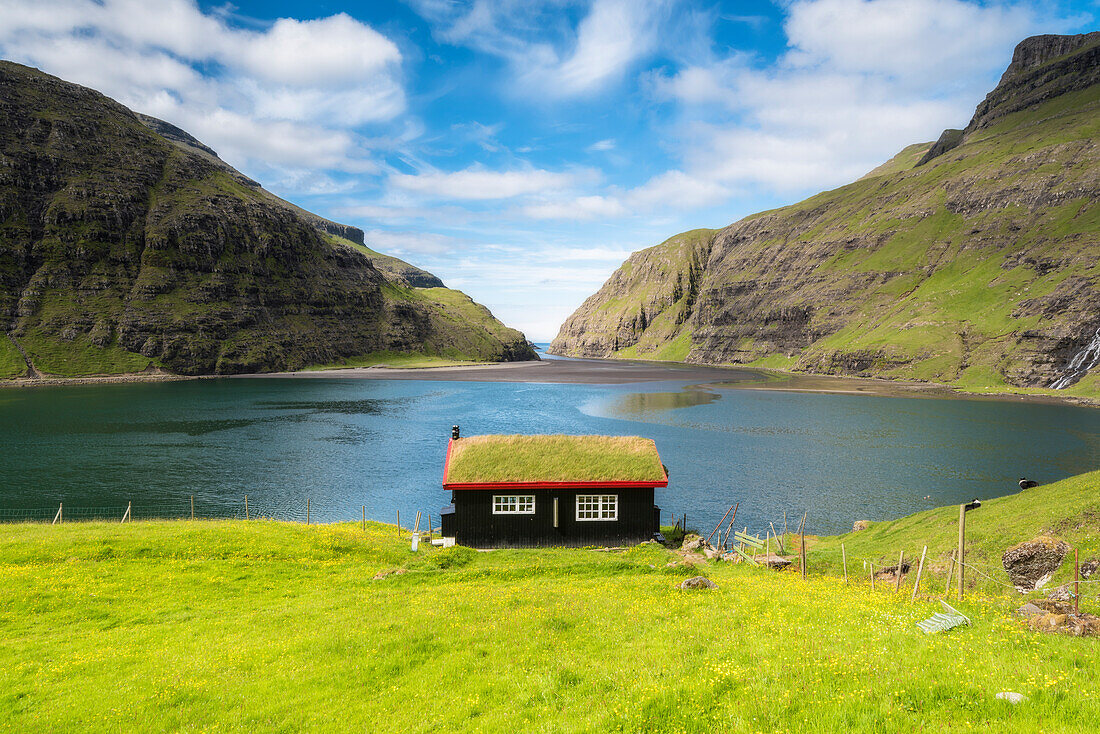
column 597, row 507
column 505, row 504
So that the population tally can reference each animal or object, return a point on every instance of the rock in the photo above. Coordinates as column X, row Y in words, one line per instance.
column 1031, row 564
column 1011, row 697
column 1052, row 605
column 1049, row 622
column 860, row 525
column 1084, row 625
column 692, row 542
column 1062, row 593
column 1029, row 610
column 890, row 573
column 1088, row 568
column 710, row 553
column 698, row 582
column 776, row 562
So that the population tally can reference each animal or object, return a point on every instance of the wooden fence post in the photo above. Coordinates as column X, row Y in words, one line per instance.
column 1076, row 581
column 844, row 560
column 961, row 560
column 920, row 570
column 733, row 509
column 399, row 523
column 192, row 507
column 57, row 517
column 897, row 584
column 872, row 577
column 246, row 517
column 778, row 542
column 127, row 515
column 950, row 574
column 307, row 510
column 364, row 518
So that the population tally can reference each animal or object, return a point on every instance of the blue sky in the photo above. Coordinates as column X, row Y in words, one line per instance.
column 521, row 149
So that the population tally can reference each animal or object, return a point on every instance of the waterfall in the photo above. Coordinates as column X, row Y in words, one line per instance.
column 1081, row 363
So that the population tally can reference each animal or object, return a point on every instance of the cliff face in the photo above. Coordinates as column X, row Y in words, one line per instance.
column 978, row 266
column 123, row 249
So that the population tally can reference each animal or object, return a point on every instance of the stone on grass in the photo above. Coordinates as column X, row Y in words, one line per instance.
column 1088, row 568
column 1011, row 697
column 1031, row 564
column 1030, row 610
column 860, row 525
column 1062, row 593
column 698, row 582
column 710, row 553
column 776, row 562
column 692, row 542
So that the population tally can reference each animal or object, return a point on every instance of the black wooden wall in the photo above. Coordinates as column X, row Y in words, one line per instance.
column 472, row 523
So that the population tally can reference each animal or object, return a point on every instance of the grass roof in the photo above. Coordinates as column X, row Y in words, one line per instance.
column 554, row 459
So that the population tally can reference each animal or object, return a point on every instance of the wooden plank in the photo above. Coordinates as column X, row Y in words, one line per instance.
column 920, row 569
column 750, row 540
column 745, row 556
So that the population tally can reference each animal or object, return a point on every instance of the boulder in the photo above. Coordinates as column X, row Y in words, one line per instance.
column 1088, row 568
column 698, row 582
column 1030, row 610
column 1062, row 593
column 1031, row 564
column 860, row 525
column 692, row 542
column 1011, row 697
column 710, row 553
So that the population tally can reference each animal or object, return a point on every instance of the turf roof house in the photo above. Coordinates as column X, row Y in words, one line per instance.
column 511, row 491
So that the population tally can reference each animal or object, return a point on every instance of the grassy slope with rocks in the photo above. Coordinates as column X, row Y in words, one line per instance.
column 122, row 250
column 978, row 268
column 1069, row 509
column 277, row 626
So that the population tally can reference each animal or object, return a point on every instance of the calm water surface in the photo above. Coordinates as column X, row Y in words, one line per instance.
column 349, row 443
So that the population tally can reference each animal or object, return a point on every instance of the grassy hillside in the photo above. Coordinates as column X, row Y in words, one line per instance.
column 122, row 249
column 1069, row 509
column 281, row 627
column 978, row 268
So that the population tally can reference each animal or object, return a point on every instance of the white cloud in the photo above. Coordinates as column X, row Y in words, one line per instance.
column 600, row 145
column 550, row 57
column 399, row 243
column 860, row 80
column 287, row 95
column 478, row 183
column 678, row 190
column 581, row 207
column 925, row 41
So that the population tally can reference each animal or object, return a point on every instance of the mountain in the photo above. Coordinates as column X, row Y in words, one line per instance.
column 126, row 245
column 974, row 260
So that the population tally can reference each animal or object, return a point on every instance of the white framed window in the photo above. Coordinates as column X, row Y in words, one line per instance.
column 513, row 504
column 597, row 507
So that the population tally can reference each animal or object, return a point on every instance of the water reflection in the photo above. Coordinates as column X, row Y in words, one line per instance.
column 636, row 404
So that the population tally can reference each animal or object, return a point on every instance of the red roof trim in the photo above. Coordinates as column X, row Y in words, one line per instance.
column 614, row 484
column 556, row 485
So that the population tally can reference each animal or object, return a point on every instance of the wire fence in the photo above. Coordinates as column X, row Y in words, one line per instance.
column 188, row 509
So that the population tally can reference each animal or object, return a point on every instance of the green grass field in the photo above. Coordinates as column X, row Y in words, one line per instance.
column 230, row 625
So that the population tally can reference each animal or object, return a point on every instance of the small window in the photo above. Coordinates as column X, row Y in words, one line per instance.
column 521, row 504
column 597, row 507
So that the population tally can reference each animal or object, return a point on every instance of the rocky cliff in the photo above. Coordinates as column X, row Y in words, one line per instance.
column 126, row 244
column 974, row 261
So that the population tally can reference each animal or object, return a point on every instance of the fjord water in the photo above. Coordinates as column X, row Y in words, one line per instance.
column 345, row 443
